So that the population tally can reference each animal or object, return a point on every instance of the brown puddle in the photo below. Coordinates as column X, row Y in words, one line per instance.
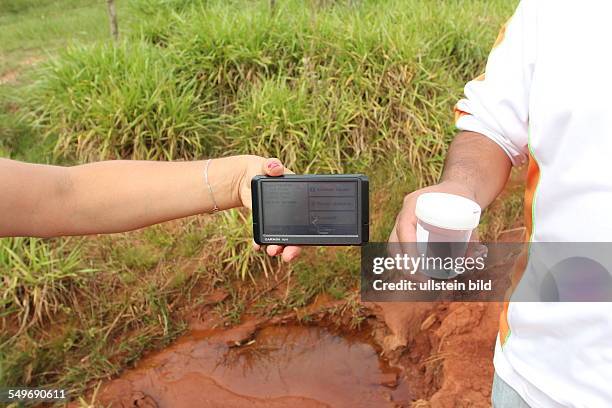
column 283, row 366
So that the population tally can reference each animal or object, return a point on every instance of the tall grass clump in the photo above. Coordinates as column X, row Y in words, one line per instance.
column 40, row 278
column 120, row 102
column 37, row 277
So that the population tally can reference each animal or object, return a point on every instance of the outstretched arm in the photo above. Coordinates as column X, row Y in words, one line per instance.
column 115, row 196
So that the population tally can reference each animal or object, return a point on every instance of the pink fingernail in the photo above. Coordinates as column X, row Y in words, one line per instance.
column 273, row 165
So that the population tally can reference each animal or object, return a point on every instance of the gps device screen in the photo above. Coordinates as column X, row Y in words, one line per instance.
column 310, row 210
column 303, row 208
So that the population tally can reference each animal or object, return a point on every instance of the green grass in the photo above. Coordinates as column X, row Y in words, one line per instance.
column 116, row 93
column 33, row 29
column 338, row 279
column 327, row 86
column 37, row 278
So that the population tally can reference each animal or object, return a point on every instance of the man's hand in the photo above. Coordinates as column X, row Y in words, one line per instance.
column 404, row 230
column 476, row 168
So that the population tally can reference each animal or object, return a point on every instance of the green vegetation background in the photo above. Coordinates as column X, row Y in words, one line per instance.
column 327, row 86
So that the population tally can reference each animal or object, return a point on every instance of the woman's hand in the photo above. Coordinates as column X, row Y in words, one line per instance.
column 254, row 166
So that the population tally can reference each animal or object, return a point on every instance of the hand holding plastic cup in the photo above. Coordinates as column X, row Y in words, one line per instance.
column 444, row 227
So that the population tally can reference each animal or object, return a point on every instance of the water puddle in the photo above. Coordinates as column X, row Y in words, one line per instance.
column 281, row 366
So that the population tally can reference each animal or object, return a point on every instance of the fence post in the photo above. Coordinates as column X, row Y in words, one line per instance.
column 112, row 15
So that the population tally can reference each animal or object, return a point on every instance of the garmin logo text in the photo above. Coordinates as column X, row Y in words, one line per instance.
column 275, row 239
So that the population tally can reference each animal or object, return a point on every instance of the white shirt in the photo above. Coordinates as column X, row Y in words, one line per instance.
column 546, row 99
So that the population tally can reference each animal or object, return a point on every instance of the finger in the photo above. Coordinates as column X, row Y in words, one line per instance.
column 406, row 229
column 393, row 246
column 393, row 236
column 290, row 253
column 273, row 167
column 256, row 246
column 274, row 250
column 396, row 247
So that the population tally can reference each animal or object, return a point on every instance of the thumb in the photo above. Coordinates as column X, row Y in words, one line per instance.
column 273, row 167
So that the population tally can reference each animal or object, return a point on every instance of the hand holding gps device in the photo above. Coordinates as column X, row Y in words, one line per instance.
column 310, row 209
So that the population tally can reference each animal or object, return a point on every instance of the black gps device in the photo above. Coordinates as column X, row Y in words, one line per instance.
column 310, row 209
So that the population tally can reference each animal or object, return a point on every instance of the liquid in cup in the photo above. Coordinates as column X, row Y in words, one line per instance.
column 444, row 227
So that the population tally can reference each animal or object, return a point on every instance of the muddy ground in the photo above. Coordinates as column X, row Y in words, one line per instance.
column 402, row 355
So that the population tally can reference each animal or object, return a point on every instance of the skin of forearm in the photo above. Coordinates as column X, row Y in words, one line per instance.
column 478, row 165
column 116, row 196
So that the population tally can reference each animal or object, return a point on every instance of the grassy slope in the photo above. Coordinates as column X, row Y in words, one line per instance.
column 326, row 86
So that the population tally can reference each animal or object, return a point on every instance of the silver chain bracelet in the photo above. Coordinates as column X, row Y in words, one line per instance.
column 210, row 190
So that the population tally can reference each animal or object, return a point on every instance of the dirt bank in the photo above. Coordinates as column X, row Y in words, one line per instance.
column 447, row 348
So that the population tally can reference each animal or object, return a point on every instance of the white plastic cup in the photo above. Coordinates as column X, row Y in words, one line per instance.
column 445, row 218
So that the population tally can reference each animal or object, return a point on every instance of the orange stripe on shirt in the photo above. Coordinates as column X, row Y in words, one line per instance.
column 500, row 36
column 533, row 177
column 459, row 113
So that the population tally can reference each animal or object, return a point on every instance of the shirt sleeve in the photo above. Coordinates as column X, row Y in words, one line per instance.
column 496, row 104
